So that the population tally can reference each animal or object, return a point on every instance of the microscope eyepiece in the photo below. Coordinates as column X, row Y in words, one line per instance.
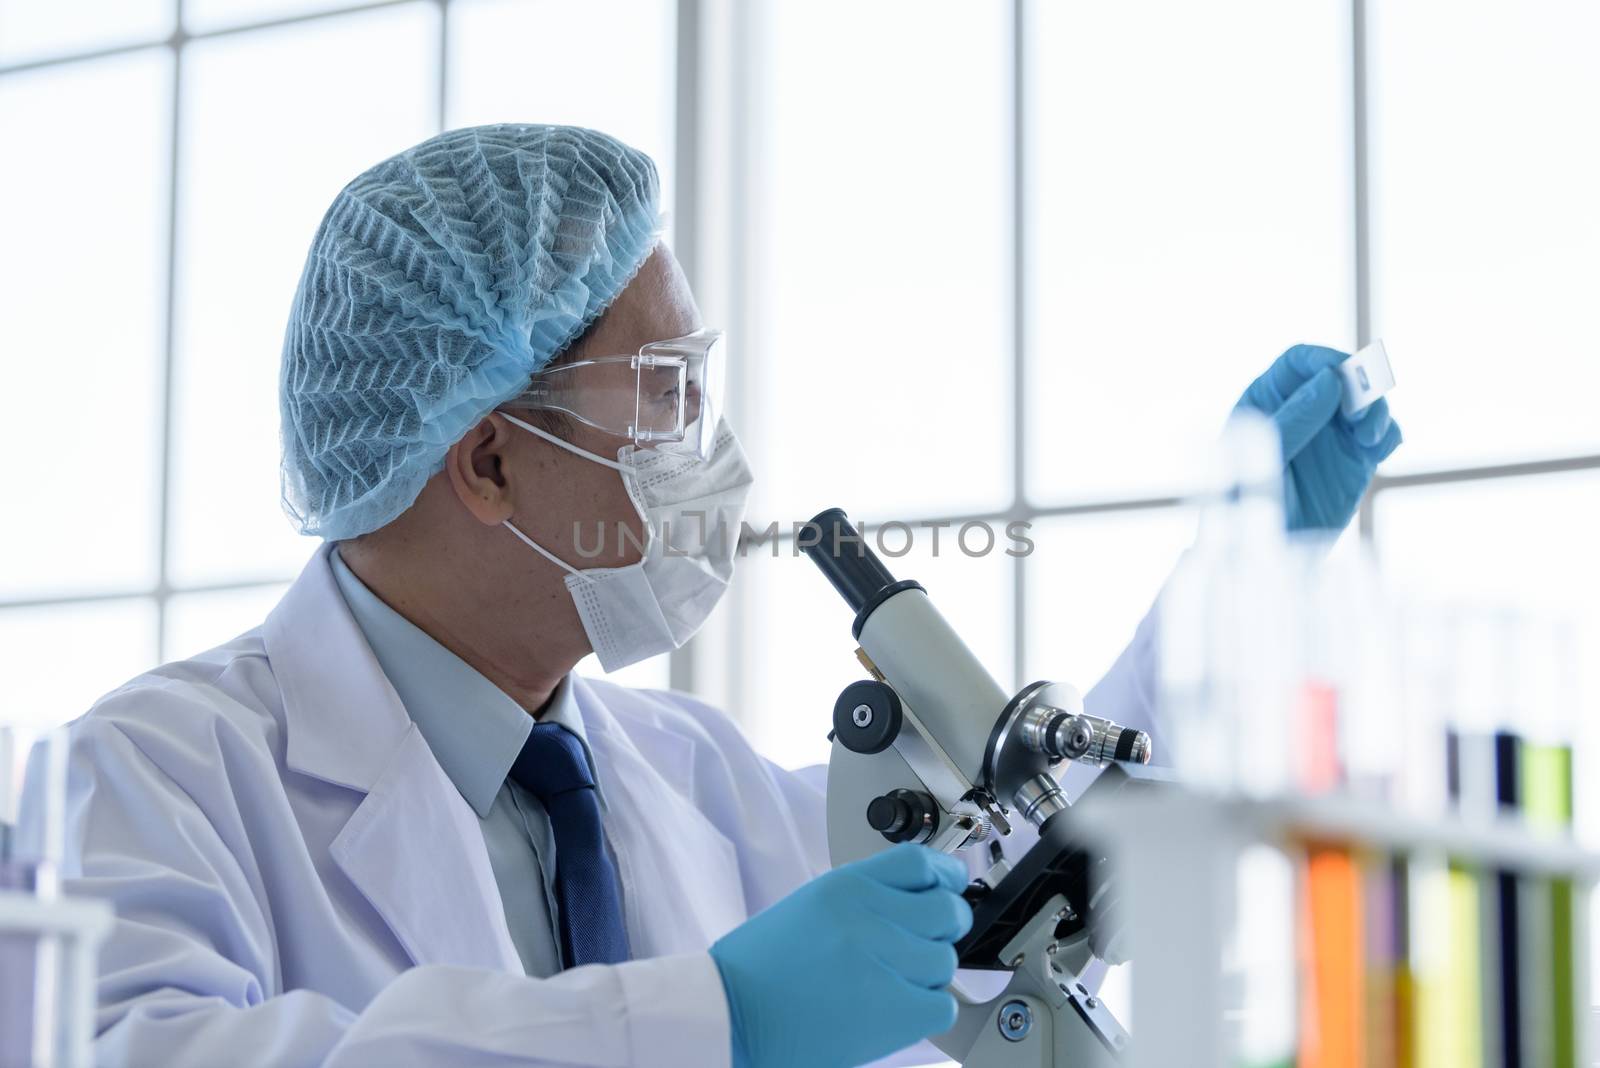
column 837, row 548
column 842, row 554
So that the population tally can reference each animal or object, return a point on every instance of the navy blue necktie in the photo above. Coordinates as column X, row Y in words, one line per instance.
column 552, row 767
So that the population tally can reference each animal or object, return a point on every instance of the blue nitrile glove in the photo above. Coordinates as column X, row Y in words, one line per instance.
column 1328, row 458
column 850, row 967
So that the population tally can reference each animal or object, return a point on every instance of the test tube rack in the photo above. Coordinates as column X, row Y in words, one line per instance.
column 1176, row 857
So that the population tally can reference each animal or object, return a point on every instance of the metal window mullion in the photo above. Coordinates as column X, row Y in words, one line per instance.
column 1029, row 512
column 148, row 593
column 1368, row 519
column 686, row 122
column 178, row 43
column 443, row 101
column 1019, row 333
column 1360, row 147
column 746, row 29
column 687, row 125
column 1381, row 484
column 226, row 31
column 109, row 52
column 1523, row 469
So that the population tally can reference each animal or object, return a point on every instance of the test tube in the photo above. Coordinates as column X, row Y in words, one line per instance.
column 1227, row 641
column 32, row 824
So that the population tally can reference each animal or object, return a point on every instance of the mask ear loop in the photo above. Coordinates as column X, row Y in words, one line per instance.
column 569, row 446
column 587, row 455
column 546, row 553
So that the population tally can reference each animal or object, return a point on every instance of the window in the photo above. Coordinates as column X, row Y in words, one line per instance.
column 1171, row 253
column 993, row 262
column 213, row 154
column 1486, row 224
column 1122, row 213
column 365, row 87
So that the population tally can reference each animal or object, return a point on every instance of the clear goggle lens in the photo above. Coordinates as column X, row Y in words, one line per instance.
column 666, row 397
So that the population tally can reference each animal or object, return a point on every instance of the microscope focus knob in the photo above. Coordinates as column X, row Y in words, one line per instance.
column 866, row 716
column 904, row 816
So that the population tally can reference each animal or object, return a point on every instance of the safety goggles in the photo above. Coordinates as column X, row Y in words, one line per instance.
column 668, row 396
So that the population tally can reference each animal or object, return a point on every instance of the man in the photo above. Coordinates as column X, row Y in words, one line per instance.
column 390, row 825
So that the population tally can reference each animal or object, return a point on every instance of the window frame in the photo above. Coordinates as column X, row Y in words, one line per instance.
column 716, row 214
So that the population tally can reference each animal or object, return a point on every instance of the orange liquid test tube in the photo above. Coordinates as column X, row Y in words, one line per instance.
column 1333, row 1032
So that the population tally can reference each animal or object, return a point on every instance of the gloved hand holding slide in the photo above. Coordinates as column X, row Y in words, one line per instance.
column 1335, row 427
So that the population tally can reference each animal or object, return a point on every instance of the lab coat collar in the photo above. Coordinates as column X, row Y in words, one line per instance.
column 341, row 726
column 423, row 866
column 412, row 847
column 474, row 728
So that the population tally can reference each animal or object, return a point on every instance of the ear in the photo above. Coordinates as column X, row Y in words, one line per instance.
column 477, row 470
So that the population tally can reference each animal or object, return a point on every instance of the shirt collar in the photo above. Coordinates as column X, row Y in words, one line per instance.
column 473, row 727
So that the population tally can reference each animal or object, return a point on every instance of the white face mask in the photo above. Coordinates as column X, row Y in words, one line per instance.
column 692, row 511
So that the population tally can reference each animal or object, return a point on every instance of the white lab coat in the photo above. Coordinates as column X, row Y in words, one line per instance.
column 297, row 881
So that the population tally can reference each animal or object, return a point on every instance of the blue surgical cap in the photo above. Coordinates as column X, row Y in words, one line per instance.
column 437, row 283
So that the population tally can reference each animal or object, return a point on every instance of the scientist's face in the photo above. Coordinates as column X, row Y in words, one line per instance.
column 566, row 502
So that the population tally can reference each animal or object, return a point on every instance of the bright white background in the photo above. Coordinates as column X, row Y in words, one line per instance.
column 1010, row 261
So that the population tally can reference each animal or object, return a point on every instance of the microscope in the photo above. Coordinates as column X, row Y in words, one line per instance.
column 930, row 749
